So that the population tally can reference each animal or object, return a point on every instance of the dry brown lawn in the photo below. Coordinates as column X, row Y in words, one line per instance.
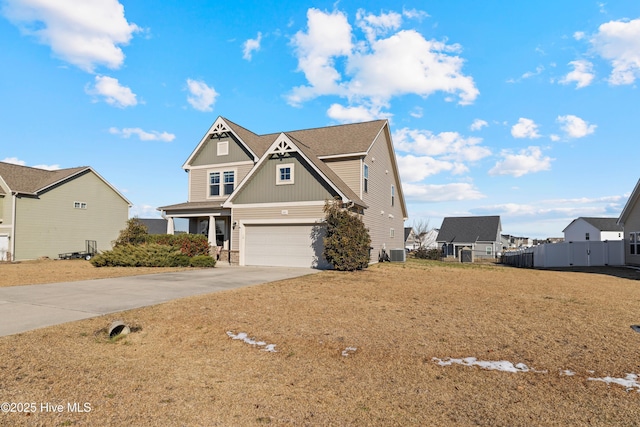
column 181, row 368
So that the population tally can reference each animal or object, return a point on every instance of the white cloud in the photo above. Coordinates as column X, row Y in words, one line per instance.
column 525, row 128
column 376, row 69
column 579, row 35
column 355, row 114
column 575, row 127
column 16, row 161
column 619, row 42
column 202, row 96
column 529, row 74
column 84, row 33
column 441, row 193
column 113, row 92
column 528, row 160
column 250, row 46
column 415, row 169
column 582, row 74
column 448, row 145
column 143, row 135
column 478, row 124
column 554, row 137
column 570, row 208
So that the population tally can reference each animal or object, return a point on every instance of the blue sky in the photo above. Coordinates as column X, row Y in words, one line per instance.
column 527, row 110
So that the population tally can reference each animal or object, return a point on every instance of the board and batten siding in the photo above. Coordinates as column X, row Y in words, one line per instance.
column 208, row 153
column 307, row 184
column 380, row 217
column 50, row 225
column 199, row 180
column 272, row 214
column 350, row 171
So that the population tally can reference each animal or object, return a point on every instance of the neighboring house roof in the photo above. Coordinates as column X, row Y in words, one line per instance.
column 602, row 224
column 470, row 229
column 154, row 225
column 631, row 202
column 407, row 232
column 31, row 181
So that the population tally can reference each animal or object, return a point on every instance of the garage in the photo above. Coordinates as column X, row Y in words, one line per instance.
column 284, row 245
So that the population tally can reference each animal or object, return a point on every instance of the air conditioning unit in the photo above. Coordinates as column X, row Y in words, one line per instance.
column 397, row 255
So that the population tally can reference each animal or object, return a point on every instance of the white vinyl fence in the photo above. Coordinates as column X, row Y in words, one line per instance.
column 568, row 254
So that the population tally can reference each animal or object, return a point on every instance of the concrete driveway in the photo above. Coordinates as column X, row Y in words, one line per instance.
column 23, row 308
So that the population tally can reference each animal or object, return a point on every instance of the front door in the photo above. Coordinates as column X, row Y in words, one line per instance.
column 222, row 234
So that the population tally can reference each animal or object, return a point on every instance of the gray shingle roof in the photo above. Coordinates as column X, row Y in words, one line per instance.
column 603, row 224
column 28, row 180
column 470, row 229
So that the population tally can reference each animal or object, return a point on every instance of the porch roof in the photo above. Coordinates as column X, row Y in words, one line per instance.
column 193, row 206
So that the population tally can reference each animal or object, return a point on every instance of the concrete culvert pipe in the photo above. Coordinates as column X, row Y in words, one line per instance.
column 118, row 328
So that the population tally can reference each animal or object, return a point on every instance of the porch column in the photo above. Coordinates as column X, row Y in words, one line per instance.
column 212, row 230
column 170, row 225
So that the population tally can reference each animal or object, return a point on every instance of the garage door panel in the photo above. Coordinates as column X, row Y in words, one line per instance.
column 287, row 245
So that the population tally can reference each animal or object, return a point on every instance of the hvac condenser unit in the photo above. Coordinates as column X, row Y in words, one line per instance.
column 397, row 255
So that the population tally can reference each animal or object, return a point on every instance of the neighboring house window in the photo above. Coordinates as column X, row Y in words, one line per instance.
column 79, row 205
column 392, row 232
column 214, row 184
column 223, row 148
column 489, row 250
column 586, row 236
column 634, row 243
column 284, row 174
column 365, row 174
column 229, row 180
column 393, row 195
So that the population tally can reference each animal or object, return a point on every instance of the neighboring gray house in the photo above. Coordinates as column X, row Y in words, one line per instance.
column 481, row 234
column 584, row 229
column 155, row 225
column 45, row 213
column 630, row 221
column 260, row 198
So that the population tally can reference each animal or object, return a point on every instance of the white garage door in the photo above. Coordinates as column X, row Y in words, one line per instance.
column 286, row 245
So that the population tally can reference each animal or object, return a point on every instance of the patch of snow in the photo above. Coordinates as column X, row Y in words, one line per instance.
column 348, row 350
column 630, row 381
column 245, row 338
column 500, row 365
column 567, row 373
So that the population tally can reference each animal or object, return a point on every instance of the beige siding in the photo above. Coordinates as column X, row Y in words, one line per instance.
column 262, row 188
column 377, row 216
column 199, row 181
column 349, row 171
column 49, row 225
column 208, row 153
column 632, row 225
column 273, row 213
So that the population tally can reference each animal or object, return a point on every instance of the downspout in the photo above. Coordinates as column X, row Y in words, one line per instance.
column 13, row 226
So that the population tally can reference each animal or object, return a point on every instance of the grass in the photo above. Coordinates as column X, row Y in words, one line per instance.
column 181, row 368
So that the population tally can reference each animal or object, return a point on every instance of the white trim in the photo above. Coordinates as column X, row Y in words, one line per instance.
column 222, row 148
column 291, row 166
column 222, row 165
column 221, row 171
column 195, row 215
column 277, row 204
column 13, row 228
column 339, row 156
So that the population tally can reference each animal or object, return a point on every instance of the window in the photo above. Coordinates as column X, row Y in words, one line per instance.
column 489, row 250
column 79, row 205
column 392, row 232
column 586, row 236
column 214, row 184
column 229, row 179
column 393, row 195
column 223, row 148
column 634, row 243
column 365, row 175
column 284, row 174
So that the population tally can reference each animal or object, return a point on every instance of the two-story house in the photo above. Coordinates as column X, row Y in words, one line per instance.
column 260, row 198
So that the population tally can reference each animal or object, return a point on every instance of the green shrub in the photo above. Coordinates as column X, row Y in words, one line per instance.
column 147, row 255
column 135, row 233
column 424, row 253
column 189, row 244
column 347, row 243
column 203, row 261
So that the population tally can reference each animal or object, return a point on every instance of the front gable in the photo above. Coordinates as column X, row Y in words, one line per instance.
column 220, row 145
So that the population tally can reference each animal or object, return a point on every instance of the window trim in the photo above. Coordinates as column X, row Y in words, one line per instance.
column 80, row 205
column 222, row 148
column 634, row 243
column 392, row 233
column 488, row 250
column 289, row 181
column 221, row 182
column 393, row 195
column 365, row 178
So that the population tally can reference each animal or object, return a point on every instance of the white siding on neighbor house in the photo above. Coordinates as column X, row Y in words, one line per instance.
column 50, row 224
column 381, row 217
column 578, row 229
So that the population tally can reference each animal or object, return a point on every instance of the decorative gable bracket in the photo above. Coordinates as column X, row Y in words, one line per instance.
column 220, row 130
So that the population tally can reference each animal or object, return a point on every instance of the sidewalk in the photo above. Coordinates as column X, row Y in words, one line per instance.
column 23, row 308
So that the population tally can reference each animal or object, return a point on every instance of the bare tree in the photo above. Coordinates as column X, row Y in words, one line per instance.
column 421, row 231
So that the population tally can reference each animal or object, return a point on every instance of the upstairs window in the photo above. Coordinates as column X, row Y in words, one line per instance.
column 229, row 180
column 79, row 205
column 285, row 174
column 214, row 184
column 586, row 236
column 365, row 175
column 393, row 195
